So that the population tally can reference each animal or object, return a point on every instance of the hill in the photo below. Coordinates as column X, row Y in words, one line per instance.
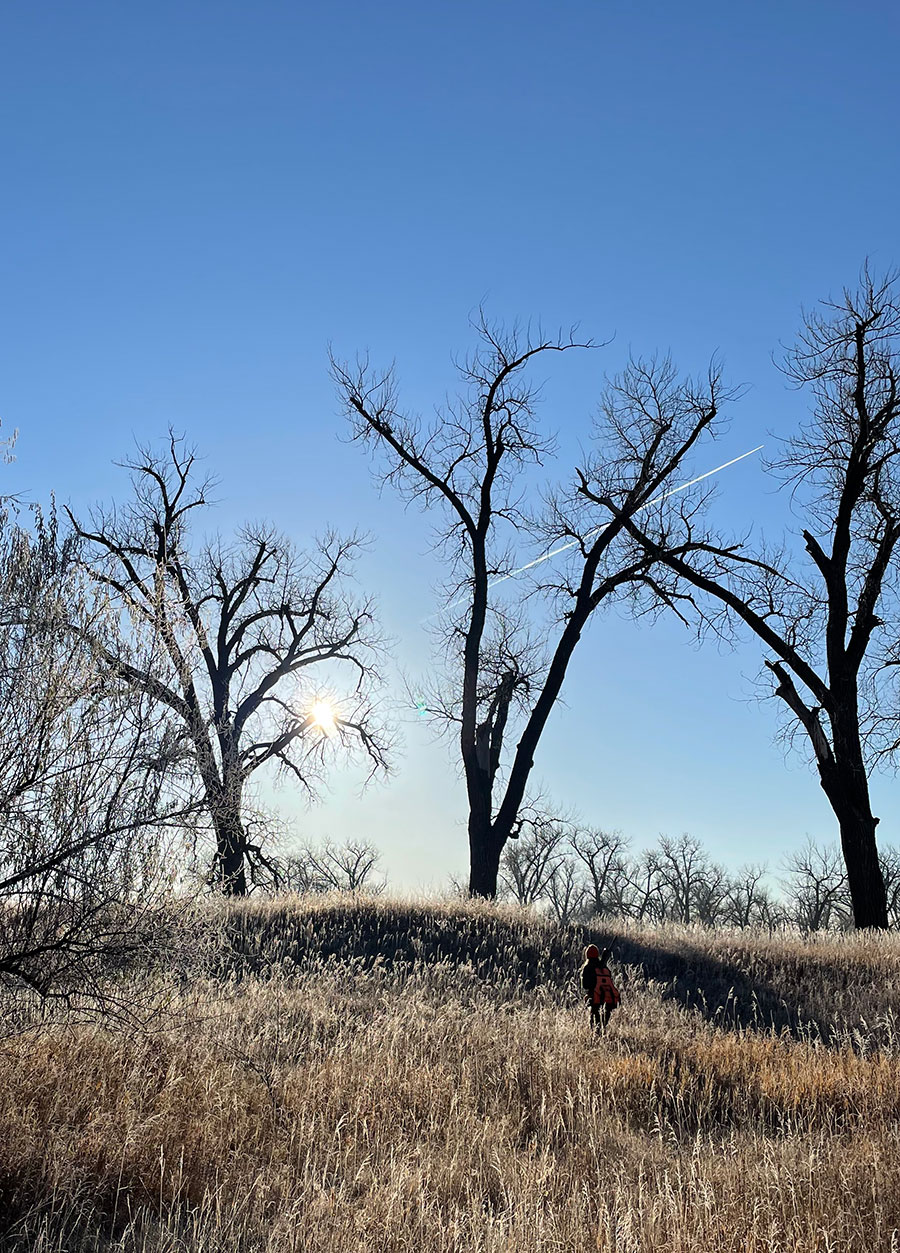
column 347, row 1074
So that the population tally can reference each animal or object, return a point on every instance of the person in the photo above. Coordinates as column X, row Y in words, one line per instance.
column 600, row 992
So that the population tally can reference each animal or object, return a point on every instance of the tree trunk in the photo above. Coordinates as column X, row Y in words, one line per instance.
column 853, row 810
column 230, row 848
column 484, row 857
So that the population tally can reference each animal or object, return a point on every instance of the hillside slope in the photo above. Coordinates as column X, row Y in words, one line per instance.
column 376, row 1075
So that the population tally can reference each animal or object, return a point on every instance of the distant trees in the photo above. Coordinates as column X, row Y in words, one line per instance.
column 532, row 858
column 239, row 641
column 578, row 873
column 831, row 628
column 348, row 867
column 818, row 893
column 750, row 900
column 473, row 467
column 602, row 857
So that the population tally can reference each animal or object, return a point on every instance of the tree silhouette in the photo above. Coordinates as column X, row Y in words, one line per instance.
column 245, row 636
column 473, row 466
column 832, row 627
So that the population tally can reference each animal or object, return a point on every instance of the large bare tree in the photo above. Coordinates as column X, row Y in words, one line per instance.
column 473, row 465
column 246, row 635
column 830, row 618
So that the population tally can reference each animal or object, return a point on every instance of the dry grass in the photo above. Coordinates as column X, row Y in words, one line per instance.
column 377, row 1076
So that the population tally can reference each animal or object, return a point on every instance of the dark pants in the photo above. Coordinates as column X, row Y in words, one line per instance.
column 600, row 1015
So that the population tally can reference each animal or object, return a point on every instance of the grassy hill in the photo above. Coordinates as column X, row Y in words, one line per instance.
column 342, row 1074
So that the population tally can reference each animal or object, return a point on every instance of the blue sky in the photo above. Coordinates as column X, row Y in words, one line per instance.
column 198, row 198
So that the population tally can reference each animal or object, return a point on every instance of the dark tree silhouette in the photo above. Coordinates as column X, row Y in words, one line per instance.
column 474, row 463
column 832, row 629
column 244, row 637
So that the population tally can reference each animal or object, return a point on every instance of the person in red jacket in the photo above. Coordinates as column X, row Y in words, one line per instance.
column 600, row 992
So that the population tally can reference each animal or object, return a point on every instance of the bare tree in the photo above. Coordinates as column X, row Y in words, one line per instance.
column 531, row 859
column 832, row 628
column 87, row 804
column 247, row 635
column 711, row 896
column 603, row 856
column 690, row 887
column 474, row 464
column 347, row 867
column 816, row 885
column 567, row 892
column 644, row 900
column 749, row 901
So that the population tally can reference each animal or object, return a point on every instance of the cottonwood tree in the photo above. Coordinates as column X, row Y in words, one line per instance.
column 567, row 893
column 87, row 806
column 643, row 899
column 473, row 465
column 247, row 635
column 817, row 895
column 603, row 857
column 691, row 887
column 749, row 901
column 530, row 861
column 830, row 625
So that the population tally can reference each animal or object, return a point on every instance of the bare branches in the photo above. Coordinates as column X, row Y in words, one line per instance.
column 817, row 888
column 470, row 456
column 245, row 637
column 531, row 860
column 844, row 470
column 330, row 867
column 88, row 784
column 579, row 873
column 473, row 462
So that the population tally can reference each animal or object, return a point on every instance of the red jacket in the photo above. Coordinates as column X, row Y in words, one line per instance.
column 597, row 983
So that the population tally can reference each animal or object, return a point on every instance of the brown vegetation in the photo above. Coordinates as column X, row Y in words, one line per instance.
column 368, row 1075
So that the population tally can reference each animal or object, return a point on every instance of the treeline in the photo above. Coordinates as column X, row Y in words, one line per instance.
column 579, row 873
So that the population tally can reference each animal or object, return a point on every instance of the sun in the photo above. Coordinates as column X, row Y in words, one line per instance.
column 323, row 716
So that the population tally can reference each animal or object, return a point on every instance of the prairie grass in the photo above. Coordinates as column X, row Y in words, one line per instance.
column 374, row 1075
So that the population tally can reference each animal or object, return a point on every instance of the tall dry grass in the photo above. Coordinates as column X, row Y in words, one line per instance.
column 378, row 1076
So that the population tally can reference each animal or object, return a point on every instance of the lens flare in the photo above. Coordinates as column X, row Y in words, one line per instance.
column 323, row 716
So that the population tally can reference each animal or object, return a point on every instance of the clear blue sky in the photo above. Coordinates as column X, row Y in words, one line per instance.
column 198, row 197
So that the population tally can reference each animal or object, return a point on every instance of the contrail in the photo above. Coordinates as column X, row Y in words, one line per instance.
column 646, row 505
column 597, row 530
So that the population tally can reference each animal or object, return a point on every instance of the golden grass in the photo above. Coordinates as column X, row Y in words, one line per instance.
column 331, row 1101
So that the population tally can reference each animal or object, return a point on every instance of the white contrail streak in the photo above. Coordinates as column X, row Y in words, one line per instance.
column 646, row 505
column 597, row 530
